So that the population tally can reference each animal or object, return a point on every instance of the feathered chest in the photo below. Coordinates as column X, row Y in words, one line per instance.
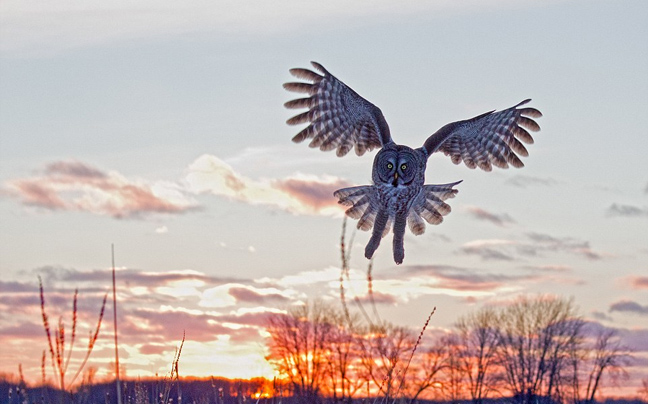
column 397, row 198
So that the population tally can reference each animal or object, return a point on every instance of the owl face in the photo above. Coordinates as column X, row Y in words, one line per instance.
column 398, row 166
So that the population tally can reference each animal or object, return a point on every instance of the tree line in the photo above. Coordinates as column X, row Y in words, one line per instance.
column 534, row 350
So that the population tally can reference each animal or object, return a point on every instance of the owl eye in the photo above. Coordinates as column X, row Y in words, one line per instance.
column 403, row 167
column 390, row 166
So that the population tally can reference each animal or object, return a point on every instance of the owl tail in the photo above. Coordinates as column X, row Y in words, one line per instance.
column 429, row 205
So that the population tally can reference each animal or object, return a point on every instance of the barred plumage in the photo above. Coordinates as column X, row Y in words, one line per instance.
column 338, row 118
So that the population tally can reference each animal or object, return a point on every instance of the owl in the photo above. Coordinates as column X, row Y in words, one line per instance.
column 338, row 118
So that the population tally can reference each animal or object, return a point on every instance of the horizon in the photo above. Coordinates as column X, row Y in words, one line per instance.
column 161, row 129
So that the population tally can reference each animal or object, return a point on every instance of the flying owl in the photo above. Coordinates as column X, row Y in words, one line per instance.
column 341, row 119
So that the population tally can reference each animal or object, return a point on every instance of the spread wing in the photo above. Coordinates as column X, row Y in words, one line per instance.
column 338, row 117
column 489, row 139
column 430, row 205
column 364, row 205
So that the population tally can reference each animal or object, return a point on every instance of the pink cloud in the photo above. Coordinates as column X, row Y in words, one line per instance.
column 379, row 298
column 500, row 220
column 463, row 279
column 298, row 194
column 638, row 282
column 150, row 349
column 314, row 193
column 256, row 318
column 248, row 295
column 76, row 186
column 169, row 325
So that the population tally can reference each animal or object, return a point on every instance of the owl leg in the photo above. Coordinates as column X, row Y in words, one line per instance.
column 399, row 233
column 379, row 226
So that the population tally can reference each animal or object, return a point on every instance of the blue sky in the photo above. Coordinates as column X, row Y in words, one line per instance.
column 129, row 124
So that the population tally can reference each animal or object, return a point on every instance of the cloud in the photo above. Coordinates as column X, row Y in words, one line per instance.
column 550, row 268
column 32, row 27
column 638, row 282
column 246, row 294
column 537, row 244
column 257, row 316
column 24, row 330
column 464, row 279
column 523, row 181
column 153, row 349
column 232, row 294
column 500, row 220
column 545, row 242
column 629, row 306
column 300, row 194
column 199, row 326
column 626, row 211
column 387, row 299
column 599, row 315
column 488, row 249
column 77, row 186
column 251, row 249
column 58, row 275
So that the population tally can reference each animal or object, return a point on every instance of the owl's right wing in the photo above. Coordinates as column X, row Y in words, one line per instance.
column 338, row 117
column 364, row 205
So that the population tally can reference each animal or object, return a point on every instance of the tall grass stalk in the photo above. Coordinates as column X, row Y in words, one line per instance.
column 418, row 341
column 174, row 376
column 61, row 361
column 114, row 290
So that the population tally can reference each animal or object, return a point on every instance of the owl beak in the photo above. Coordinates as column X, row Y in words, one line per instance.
column 395, row 183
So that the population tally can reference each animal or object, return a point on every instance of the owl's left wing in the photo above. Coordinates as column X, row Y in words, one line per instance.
column 489, row 139
column 338, row 117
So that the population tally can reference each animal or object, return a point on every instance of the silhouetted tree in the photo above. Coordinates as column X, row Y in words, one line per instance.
column 477, row 342
column 534, row 338
column 299, row 347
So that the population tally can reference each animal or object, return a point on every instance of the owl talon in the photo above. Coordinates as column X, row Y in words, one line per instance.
column 398, row 258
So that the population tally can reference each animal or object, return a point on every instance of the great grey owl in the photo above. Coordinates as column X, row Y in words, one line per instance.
column 341, row 119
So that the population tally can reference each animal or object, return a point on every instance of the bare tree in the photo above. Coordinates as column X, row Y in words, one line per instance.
column 426, row 371
column 453, row 386
column 384, row 352
column 607, row 356
column 342, row 375
column 477, row 343
column 534, row 336
column 299, row 347
column 643, row 390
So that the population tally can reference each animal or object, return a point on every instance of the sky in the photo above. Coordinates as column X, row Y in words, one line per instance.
column 159, row 127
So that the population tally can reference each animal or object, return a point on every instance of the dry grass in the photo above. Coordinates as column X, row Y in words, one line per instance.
column 60, row 361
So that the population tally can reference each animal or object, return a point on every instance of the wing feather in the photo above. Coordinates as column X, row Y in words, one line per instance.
column 430, row 206
column 492, row 138
column 338, row 117
column 363, row 203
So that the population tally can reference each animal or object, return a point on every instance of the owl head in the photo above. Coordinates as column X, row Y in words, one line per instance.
column 399, row 165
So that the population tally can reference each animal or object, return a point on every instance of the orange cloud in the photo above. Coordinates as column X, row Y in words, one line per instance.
column 76, row 186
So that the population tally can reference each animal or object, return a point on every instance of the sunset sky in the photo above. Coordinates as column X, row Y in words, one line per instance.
column 159, row 126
